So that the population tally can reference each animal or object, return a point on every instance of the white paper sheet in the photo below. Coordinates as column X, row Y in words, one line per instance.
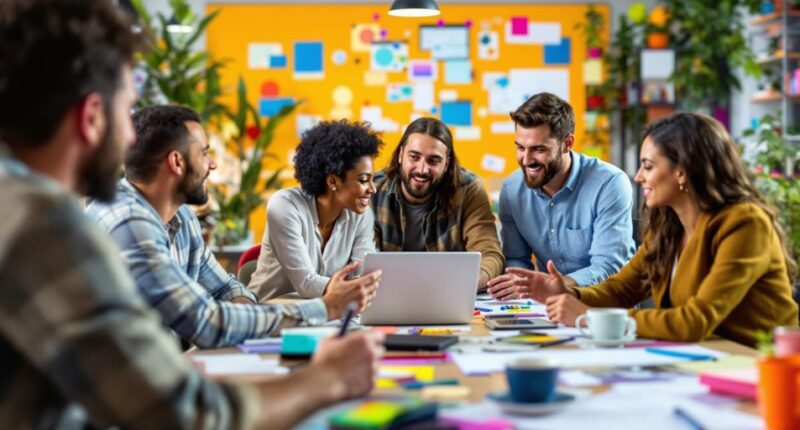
column 539, row 33
column 625, row 406
column 238, row 364
column 657, row 63
column 483, row 363
column 422, row 96
column 467, row 133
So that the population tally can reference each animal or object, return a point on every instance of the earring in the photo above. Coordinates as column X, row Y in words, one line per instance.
column 333, row 187
column 681, row 187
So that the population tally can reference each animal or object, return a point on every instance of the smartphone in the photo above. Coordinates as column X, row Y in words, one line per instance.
column 519, row 324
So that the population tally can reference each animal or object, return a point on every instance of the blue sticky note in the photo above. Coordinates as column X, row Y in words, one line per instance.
column 277, row 61
column 458, row 72
column 308, row 57
column 457, row 113
column 270, row 106
column 558, row 54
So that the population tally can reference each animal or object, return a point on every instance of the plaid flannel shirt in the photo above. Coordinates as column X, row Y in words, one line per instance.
column 470, row 226
column 79, row 346
column 179, row 276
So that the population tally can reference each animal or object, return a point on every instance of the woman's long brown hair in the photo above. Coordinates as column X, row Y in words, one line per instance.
column 716, row 178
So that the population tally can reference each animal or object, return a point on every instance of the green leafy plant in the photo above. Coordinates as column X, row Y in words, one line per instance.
column 180, row 73
column 709, row 37
column 784, row 194
column 592, row 27
column 765, row 343
column 251, row 144
column 176, row 72
column 768, row 143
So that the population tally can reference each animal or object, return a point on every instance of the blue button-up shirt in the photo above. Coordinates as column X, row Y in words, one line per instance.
column 179, row 276
column 585, row 228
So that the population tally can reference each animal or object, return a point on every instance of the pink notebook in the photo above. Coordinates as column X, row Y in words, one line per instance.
column 735, row 382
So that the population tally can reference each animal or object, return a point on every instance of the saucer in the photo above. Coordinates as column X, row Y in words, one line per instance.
column 609, row 343
column 502, row 399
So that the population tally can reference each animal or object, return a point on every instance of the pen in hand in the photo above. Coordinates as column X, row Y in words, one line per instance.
column 350, row 310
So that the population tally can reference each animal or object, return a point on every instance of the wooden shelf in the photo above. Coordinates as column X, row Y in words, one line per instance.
column 772, row 17
column 778, row 56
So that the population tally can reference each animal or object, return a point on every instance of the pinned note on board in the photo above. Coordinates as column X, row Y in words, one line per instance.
column 488, row 45
column 375, row 79
column 374, row 115
column 467, row 133
column 457, row 112
column 558, row 53
column 493, row 163
column 422, row 70
column 445, row 42
column 362, row 36
column 396, row 92
column 458, row 72
column 270, row 106
column 423, row 96
column 388, row 56
column 308, row 60
column 265, row 56
column 537, row 33
column 593, row 71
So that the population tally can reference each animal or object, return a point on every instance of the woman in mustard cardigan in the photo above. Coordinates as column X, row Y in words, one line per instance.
column 714, row 257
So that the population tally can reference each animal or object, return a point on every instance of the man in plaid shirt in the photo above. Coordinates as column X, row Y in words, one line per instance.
column 161, row 241
column 79, row 346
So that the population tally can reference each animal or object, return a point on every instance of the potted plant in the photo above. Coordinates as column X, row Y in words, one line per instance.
column 657, row 29
column 592, row 28
column 250, row 143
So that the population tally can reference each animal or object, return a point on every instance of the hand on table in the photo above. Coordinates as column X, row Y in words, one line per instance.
column 352, row 361
column 564, row 309
column 341, row 291
column 528, row 284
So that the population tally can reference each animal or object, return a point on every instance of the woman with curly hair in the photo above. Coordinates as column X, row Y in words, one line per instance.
column 714, row 257
column 325, row 223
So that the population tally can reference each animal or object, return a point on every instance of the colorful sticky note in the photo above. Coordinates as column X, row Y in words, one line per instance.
column 457, row 113
column 362, row 36
column 308, row 60
column 488, row 45
column 493, row 163
column 519, row 25
column 398, row 92
column 388, row 375
column 458, row 72
column 270, row 106
column 422, row 70
column 277, row 61
column 593, row 71
column 388, row 56
column 558, row 53
column 539, row 33
column 259, row 55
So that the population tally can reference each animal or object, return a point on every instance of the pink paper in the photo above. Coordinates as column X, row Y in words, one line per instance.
column 519, row 26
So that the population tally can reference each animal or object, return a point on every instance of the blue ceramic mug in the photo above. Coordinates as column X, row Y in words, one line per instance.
column 532, row 380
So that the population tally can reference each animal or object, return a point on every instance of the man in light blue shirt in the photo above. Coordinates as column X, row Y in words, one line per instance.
column 569, row 211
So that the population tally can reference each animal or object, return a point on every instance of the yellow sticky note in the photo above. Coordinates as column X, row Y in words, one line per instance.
column 420, row 373
column 593, row 72
column 375, row 79
column 362, row 36
column 723, row 363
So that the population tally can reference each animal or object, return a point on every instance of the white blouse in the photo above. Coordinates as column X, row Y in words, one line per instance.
column 291, row 259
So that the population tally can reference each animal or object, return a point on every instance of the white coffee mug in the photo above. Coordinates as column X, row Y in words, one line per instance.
column 607, row 324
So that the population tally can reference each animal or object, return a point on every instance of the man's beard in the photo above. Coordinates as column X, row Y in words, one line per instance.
column 191, row 187
column 422, row 193
column 551, row 169
column 101, row 172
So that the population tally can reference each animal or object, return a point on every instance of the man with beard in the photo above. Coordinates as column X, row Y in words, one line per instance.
column 425, row 201
column 160, row 236
column 569, row 211
column 79, row 347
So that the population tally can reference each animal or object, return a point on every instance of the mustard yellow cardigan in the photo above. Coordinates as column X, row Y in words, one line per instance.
column 730, row 281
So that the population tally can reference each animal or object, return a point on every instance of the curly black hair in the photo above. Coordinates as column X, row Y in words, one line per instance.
column 332, row 147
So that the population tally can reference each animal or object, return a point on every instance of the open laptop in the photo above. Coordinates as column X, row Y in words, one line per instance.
column 423, row 287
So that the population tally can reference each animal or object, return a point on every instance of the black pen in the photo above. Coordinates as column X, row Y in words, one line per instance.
column 351, row 310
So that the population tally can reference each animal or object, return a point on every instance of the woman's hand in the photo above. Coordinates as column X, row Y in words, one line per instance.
column 565, row 308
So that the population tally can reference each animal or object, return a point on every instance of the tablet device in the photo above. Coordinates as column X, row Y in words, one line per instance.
column 405, row 342
column 519, row 324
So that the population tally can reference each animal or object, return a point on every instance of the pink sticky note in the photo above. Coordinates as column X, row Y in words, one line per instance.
column 519, row 26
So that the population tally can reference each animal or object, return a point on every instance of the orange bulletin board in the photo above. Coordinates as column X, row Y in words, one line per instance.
column 469, row 66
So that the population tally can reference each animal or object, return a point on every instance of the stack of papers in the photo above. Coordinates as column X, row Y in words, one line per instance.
column 238, row 364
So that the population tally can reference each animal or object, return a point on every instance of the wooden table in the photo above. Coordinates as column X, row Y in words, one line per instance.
column 481, row 385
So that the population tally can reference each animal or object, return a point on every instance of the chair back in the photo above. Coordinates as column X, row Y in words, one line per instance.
column 250, row 254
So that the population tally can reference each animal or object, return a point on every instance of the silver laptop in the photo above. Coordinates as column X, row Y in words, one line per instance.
column 423, row 287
